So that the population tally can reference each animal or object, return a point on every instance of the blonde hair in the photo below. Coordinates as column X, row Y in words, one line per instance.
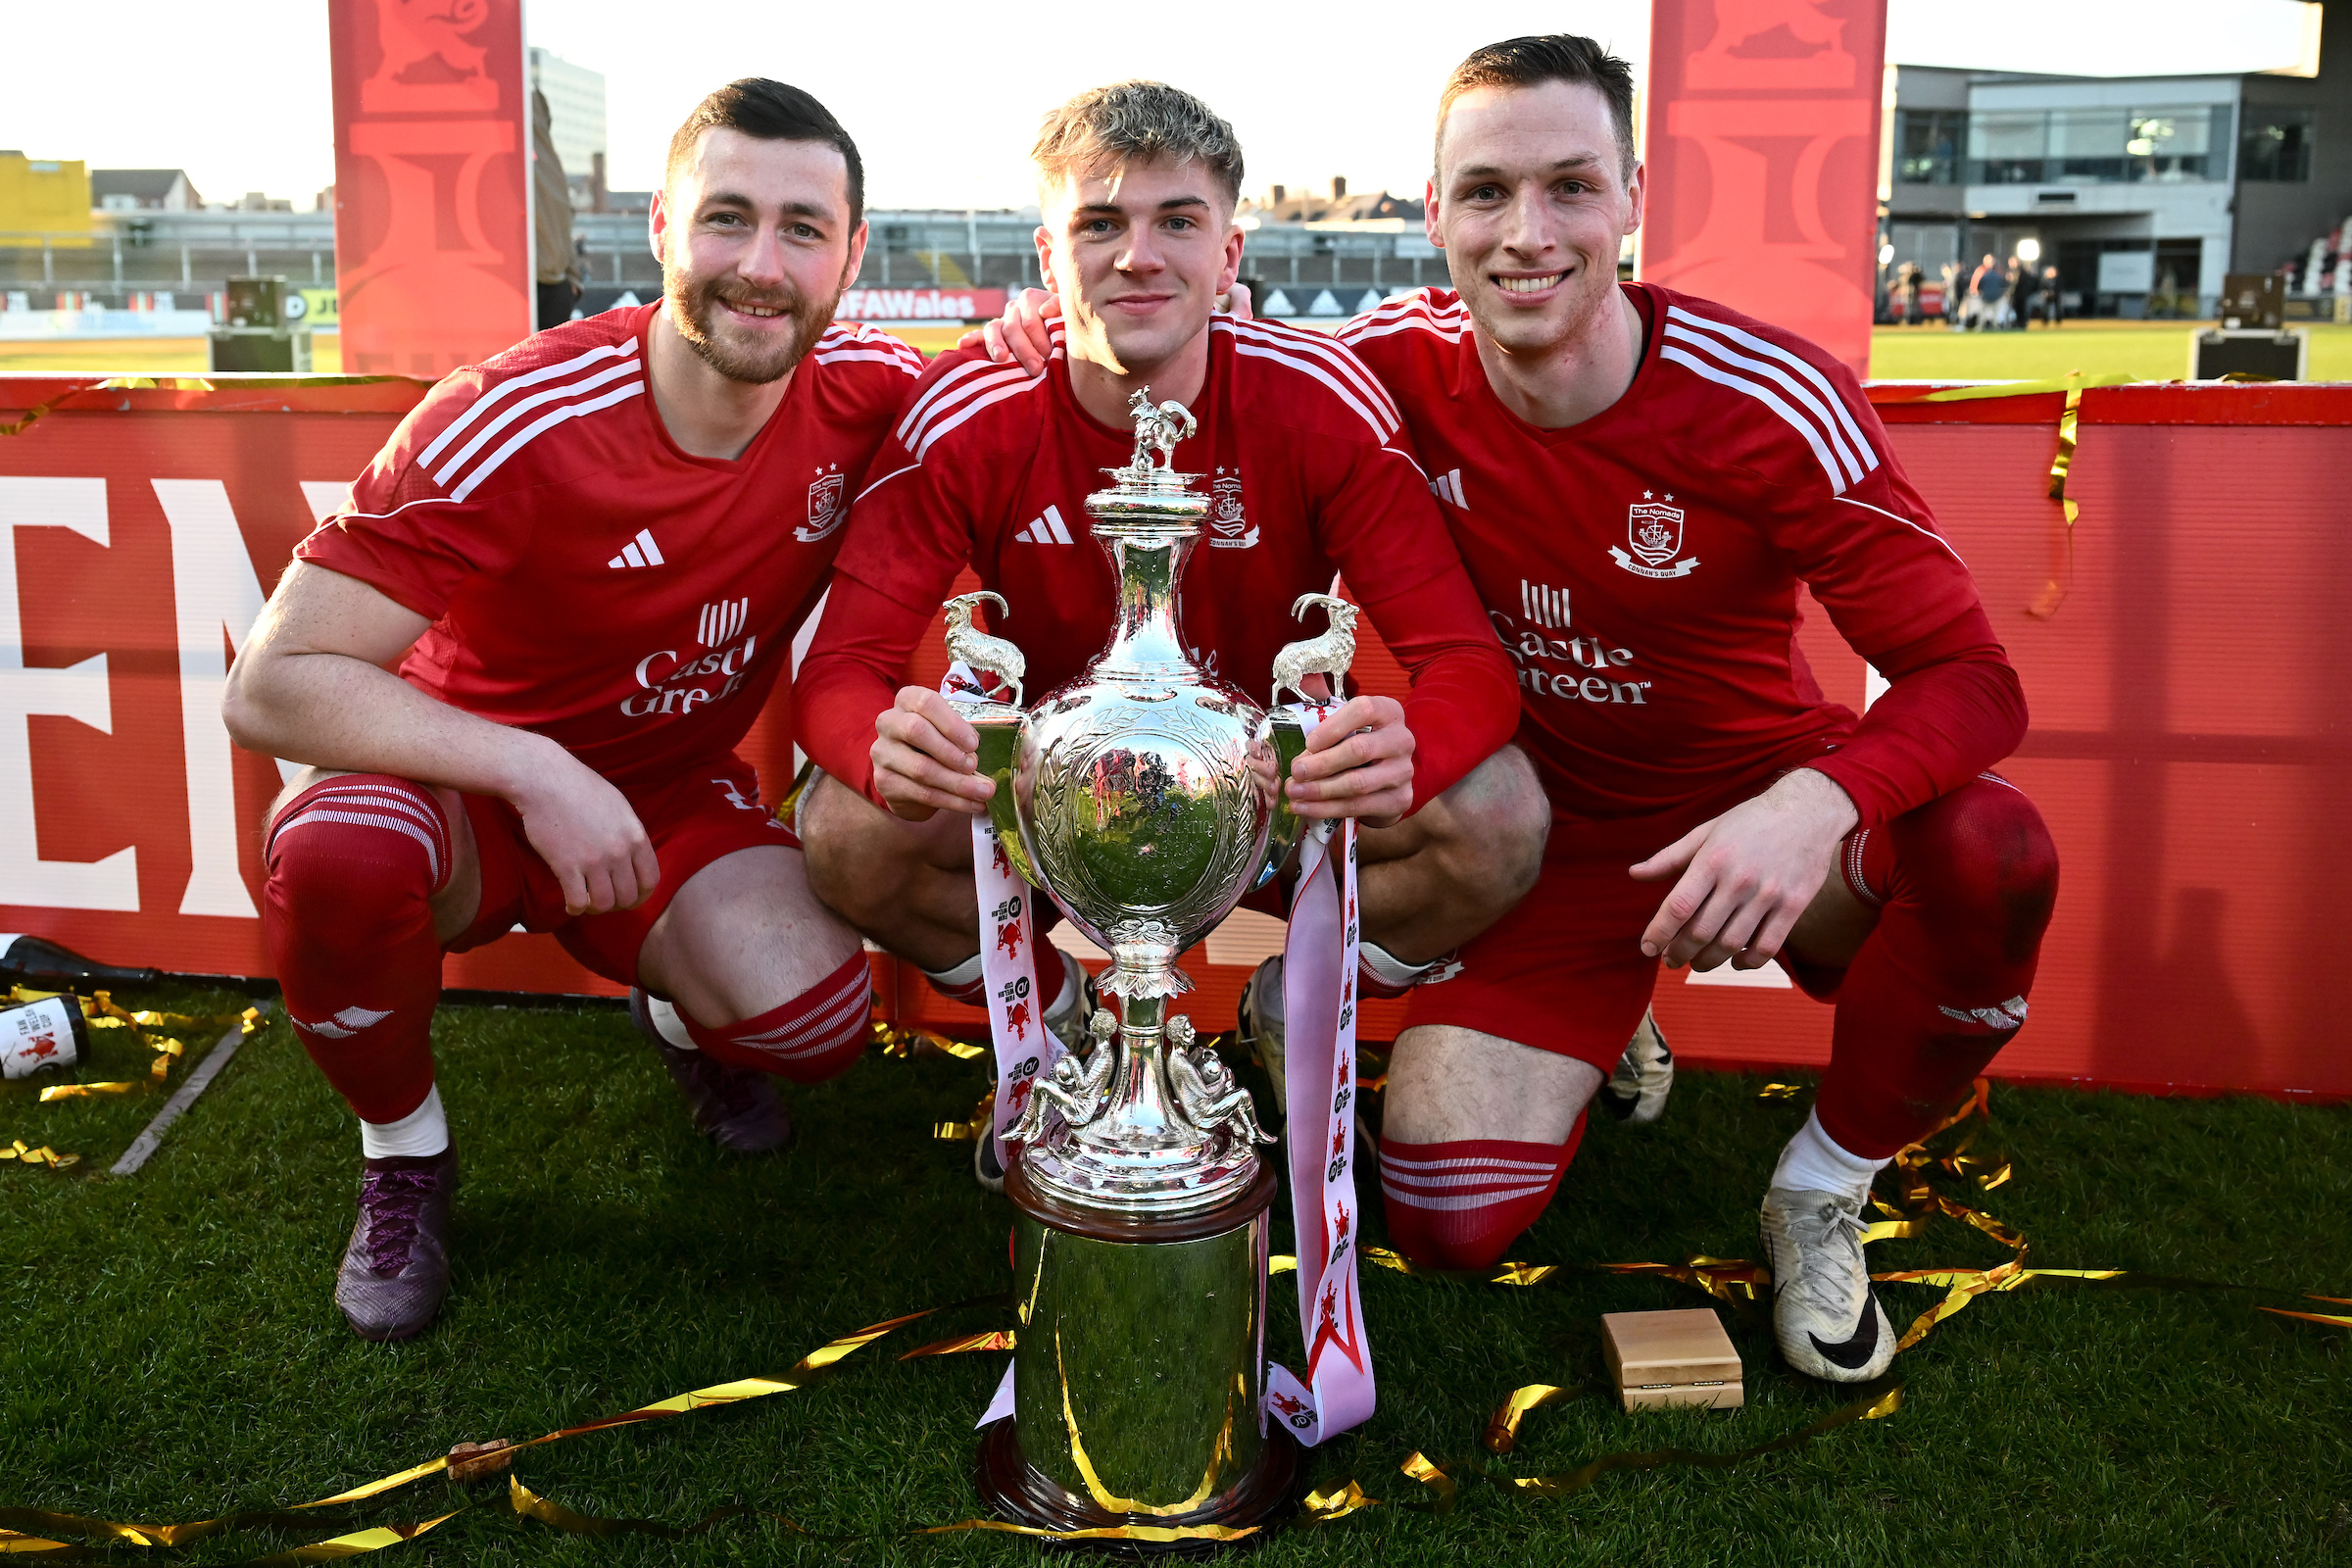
column 1131, row 122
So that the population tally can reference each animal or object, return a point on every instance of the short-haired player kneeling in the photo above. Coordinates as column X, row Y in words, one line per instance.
column 1644, row 480
column 1312, row 476
column 588, row 556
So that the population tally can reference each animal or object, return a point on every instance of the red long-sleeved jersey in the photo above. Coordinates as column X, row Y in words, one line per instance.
column 1642, row 567
column 1308, row 472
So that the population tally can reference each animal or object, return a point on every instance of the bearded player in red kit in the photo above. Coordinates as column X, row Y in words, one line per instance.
column 1638, row 480
column 588, row 556
column 1138, row 184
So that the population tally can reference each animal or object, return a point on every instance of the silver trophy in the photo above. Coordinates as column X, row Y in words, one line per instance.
column 1146, row 796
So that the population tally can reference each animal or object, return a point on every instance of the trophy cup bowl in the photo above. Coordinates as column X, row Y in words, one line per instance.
column 1145, row 796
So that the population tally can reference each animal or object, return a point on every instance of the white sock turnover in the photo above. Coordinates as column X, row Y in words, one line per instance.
column 1813, row 1163
column 1390, row 970
column 667, row 1024
column 966, row 973
column 423, row 1132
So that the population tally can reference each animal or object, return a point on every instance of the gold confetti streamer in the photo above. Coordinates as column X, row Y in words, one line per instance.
column 1780, row 1092
column 1502, row 1427
column 986, row 1340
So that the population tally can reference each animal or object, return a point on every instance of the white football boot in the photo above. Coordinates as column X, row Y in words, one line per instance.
column 1827, row 1321
column 1637, row 1091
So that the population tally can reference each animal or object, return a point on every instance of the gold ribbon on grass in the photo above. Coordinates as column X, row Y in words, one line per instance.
column 1879, row 1400
column 808, row 1369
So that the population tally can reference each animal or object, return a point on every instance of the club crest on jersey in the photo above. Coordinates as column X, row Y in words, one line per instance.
column 1655, row 531
column 826, row 507
column 1229, row 526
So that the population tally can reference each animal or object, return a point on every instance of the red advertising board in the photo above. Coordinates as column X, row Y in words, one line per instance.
column 1761, row 122
column 2189, row 679
column 432, row 182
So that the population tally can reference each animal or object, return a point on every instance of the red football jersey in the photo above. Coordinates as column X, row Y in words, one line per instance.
column 1308, row 472
column 1643, row 566
column 586, row 578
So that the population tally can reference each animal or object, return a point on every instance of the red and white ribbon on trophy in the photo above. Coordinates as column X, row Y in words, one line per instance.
column 1318, row 1001
column 1024, row 1046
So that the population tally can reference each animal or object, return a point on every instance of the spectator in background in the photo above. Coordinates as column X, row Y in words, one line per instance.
column 2017, row 280
column 1912, row 279
column 1984, row 296
column 559, row 271
column 1955, row 307
column 2053, row 305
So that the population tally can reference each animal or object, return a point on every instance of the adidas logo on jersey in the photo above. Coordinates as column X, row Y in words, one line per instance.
column 1049, row 530
column 639, row 551
column 721, row 622
column 1545, row 606
column 1448, row 486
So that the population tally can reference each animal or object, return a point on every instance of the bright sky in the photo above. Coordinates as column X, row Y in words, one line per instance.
column 945, row 98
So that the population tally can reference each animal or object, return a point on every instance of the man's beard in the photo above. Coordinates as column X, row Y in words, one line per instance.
column 695, row 309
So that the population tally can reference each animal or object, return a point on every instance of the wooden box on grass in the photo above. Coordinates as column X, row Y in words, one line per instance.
column 1663, row 1358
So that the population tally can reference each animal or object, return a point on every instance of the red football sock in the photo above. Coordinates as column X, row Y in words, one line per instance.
column 814, row 1037
column 346, row 915
column 1967, row 882
column 1053, row 968
column 1459, row 1205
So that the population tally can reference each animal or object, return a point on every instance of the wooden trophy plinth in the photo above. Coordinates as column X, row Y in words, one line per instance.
column 1670, row 1359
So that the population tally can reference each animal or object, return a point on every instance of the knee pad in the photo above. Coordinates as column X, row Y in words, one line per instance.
column 815, row 1036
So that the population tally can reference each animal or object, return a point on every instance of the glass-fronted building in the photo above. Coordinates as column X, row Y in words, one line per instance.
column 2144, row 191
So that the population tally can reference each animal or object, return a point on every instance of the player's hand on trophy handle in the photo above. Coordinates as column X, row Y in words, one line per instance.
column 589, row 836
column 1744, row 877
column 927, row 759
column 1358, row 762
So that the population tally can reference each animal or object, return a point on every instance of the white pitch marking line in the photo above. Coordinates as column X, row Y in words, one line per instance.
column 196, row 1083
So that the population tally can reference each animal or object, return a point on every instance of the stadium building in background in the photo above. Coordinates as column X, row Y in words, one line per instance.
column 2143, row 190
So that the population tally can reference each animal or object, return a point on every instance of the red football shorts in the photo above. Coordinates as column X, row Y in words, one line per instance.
column 692, row 818
column 1564, row 970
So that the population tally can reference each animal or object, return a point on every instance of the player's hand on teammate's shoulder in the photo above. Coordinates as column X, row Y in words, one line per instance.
column 1746, row 876
column 1358, row 762
column 589, row 836
column 1024, row 335
column 927, row 759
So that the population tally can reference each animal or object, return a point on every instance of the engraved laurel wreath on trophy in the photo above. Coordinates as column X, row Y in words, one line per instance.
column 1145, row 797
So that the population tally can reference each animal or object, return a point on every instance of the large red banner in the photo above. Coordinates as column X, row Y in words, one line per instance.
column 432, row 182
column 2188, row 676
column 1762, row 146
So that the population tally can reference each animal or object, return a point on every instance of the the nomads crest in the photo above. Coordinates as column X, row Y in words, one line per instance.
column 826, row 507
column 1655, row 531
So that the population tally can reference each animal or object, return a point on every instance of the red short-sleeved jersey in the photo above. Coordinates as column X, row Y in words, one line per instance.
column 1643, row 566
column 586, row 578
column 1308, row 474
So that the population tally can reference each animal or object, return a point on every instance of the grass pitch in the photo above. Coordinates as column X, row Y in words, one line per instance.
column 175, row 1354
column 2146, row 351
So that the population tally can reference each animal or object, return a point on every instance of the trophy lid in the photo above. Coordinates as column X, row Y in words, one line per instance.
column 1146, row 494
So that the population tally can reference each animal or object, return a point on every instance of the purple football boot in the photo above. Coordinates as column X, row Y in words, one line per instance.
column 396, row 1270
